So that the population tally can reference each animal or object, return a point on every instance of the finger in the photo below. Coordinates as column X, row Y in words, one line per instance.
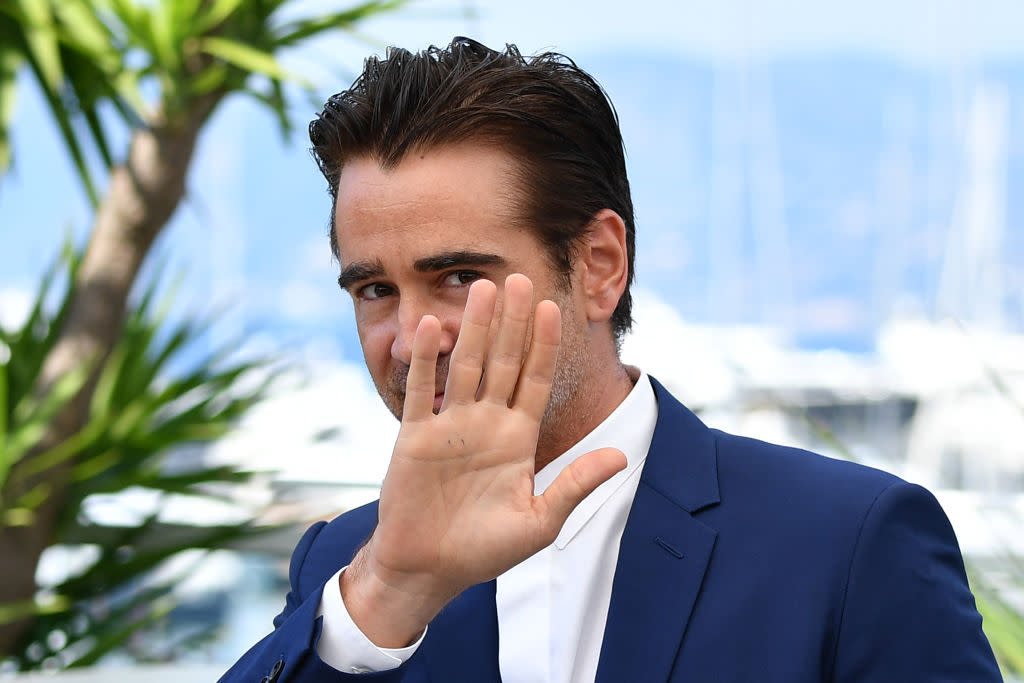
column 467, row 359
column 505, row 358
column 534, row 386
column 575, row 483
column 419, row 385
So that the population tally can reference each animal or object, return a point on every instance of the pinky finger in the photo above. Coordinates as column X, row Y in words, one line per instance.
column 534, row 386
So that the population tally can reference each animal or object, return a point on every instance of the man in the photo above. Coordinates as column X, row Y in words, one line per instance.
column 550, row 514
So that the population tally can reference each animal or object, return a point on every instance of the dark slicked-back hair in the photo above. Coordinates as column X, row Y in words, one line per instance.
column 549, row 114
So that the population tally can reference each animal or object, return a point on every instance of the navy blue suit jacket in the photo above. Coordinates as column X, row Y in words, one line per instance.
column 740, row 561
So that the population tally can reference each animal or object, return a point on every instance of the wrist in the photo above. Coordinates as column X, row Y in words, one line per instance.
column 391, row 608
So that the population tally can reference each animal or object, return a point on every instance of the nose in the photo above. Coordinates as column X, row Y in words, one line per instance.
column 410, row 312
column 401, row 346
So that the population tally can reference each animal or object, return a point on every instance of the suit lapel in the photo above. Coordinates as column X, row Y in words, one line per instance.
column 664, row 551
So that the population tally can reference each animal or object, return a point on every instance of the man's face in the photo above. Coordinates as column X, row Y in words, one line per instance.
column 412, row 240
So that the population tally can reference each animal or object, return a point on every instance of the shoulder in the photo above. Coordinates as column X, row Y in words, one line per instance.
column 868, row 559
column 778, row 482
column 709, row 466
column 818, row 509
column 700, row 467
column 751, row 490
column 791, row 473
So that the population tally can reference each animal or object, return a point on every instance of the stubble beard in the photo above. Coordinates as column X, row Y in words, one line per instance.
column 392, row 388
column 564, row 409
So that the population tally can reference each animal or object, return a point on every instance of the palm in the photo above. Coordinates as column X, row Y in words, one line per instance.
column 458, row 503
column 476, row 494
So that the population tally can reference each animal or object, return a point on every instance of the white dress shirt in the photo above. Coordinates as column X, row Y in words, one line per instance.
column 552, row 606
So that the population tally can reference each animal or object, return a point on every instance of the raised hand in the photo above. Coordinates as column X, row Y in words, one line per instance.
column 457, row 505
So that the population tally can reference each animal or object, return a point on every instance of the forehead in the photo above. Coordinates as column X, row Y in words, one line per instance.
column 462, row 195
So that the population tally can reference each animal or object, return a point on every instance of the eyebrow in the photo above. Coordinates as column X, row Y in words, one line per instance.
column 368, row 270
column 451, row 259
column 359, row 271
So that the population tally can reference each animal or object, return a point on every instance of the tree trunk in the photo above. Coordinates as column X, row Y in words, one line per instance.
column 143, row 194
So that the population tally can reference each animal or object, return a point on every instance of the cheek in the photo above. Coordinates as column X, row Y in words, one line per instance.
column 376, row 341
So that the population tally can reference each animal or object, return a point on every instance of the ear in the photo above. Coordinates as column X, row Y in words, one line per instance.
column 602, row 265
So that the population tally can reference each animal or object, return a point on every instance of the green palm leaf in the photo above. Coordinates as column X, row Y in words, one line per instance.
column 92, row 60
column 144, row 407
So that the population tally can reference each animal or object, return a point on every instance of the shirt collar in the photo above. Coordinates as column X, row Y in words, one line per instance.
column 629, row 428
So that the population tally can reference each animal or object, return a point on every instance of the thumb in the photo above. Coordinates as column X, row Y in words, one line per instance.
column 575, row 483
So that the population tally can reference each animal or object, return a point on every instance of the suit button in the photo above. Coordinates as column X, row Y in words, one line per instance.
column 275, row 672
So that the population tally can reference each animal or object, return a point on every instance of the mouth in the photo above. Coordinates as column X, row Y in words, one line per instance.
column 438, row 400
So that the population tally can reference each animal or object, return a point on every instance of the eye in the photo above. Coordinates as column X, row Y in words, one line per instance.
column 459, row 278
column 375, row 291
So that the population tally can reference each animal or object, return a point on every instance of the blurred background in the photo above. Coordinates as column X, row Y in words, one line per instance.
column 830, row 253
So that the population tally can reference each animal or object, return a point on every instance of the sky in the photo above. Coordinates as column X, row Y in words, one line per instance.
column 914, row 30
column 251, row 233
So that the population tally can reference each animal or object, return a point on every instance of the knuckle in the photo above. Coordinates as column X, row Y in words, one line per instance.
column 468, row 359
column 576, row 478
column 507, row 357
